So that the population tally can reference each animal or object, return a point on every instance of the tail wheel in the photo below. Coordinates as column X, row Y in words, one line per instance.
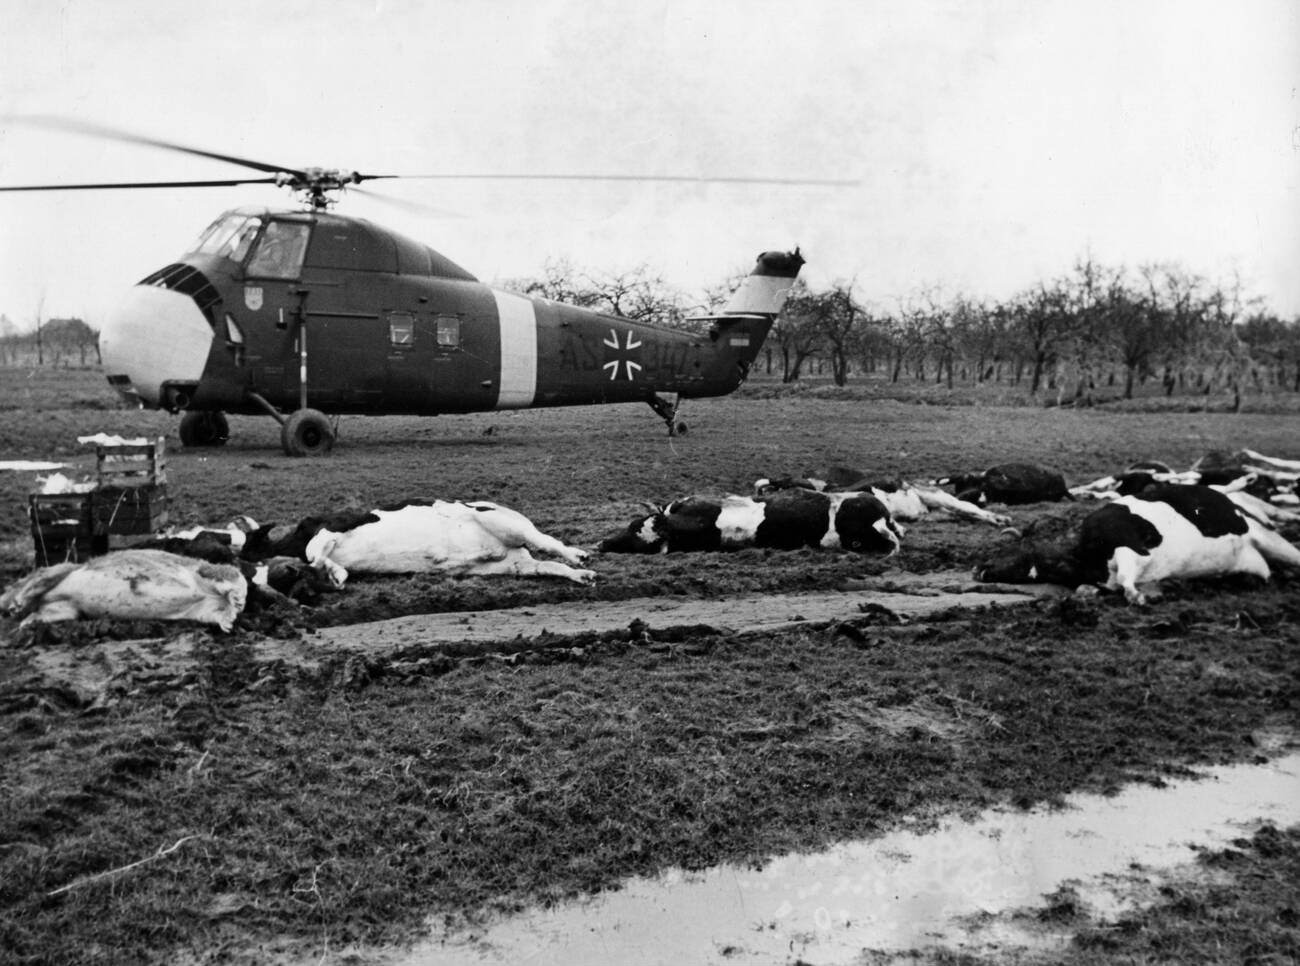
column 307, row 432
column 200, row 427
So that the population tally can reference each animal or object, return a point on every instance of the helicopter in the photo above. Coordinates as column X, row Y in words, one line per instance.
column 303, row 314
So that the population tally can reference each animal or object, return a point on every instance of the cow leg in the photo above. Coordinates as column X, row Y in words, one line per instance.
column 936, row 499
column 336, row 573
column 51, row 612
column 519, row 562
column 1125, row 565
column 1292, row 465
column 1271, row 545
column 515, row 530
column 1263, row 511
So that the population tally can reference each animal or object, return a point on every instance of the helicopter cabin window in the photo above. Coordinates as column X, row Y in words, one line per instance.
column 280, row 250
column 448, row 332
column 229, row 236
column 401, row 330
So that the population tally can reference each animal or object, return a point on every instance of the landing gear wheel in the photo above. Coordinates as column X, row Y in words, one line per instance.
column 666, row 409
column 201, row 427
column 307, row 432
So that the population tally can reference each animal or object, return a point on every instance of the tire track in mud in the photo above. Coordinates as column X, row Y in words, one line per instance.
column 905, row 596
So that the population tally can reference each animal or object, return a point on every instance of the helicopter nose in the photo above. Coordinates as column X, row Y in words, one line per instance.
column 154, row 335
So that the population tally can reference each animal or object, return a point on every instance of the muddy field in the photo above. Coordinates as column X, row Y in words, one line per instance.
column 299, row 790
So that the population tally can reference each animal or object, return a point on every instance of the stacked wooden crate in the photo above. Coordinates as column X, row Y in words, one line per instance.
column 129, row 503
column 126, row 505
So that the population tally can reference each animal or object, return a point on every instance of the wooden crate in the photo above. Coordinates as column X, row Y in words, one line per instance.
column 57, row 550
column 62, row 530
column 60, row 514
column 129, row 509
column 132, row 464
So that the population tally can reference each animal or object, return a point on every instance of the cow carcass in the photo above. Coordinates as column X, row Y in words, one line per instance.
column 1167, row 531
column 904, row 500
column 424, row 536
column 130, row 585
column 785, row 520
column 1260, row 485
column 1009, row 483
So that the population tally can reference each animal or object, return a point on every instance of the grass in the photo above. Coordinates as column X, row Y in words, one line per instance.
column 342, row 806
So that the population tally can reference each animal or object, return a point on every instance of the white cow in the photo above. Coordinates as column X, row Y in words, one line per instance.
column 130, row 585
column 476, row 538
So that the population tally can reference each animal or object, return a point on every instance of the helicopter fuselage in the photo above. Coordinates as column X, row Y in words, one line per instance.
column 287, row 310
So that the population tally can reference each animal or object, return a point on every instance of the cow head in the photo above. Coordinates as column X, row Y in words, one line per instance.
column 1032, row 563
column 865, row 525
column 965, row 486
column 645, row 534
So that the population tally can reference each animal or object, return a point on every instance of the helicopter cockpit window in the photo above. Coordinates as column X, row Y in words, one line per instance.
column 281, row 249
column 229, row 237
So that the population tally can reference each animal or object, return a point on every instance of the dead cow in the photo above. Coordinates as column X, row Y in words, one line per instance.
column 1168, row 531
column 786, row 520
column 420, row 536
column 1262, row 486
column 130, row 585
column 1009, row 483
column 905, row 501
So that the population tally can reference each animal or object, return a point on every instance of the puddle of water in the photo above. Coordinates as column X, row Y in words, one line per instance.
column 901, row 891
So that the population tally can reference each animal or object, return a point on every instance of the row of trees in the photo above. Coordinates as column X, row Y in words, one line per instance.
column 1097, row 326
column 56, row 342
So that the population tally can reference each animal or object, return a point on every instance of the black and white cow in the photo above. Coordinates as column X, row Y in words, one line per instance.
column 270, row 578
column 785, row 520
column 1266, row 477
column 130, row 585
column 1009, row 483
column 1168, row 531
column 1260, row 485
column 905, row 501
column 423, row 536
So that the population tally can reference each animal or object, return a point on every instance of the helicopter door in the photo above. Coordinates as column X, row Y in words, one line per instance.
column 408, row 372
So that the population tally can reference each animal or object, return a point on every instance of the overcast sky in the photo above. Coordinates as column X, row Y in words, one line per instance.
column 994, row 143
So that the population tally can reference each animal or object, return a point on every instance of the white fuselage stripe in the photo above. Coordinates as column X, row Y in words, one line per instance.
column 517, row 387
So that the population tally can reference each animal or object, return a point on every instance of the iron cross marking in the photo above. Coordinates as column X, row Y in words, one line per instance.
column 620, row 356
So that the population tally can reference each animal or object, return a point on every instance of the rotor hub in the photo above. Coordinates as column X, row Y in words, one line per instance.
column 313, row 185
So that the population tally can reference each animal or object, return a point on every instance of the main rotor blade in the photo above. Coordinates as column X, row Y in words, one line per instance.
column 413, row 206
column 138, row 184
column 678, row 178
column 115, row 134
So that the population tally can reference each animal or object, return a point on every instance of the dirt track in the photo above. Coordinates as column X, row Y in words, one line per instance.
column 902, row 595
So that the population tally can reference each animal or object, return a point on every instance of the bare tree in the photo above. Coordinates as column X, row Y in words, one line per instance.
column 1041, row 322
column 40, row 348
column 797, row 333
column 639, row 293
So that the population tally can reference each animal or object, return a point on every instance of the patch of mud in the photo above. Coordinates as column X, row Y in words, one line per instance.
column 964, row 888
